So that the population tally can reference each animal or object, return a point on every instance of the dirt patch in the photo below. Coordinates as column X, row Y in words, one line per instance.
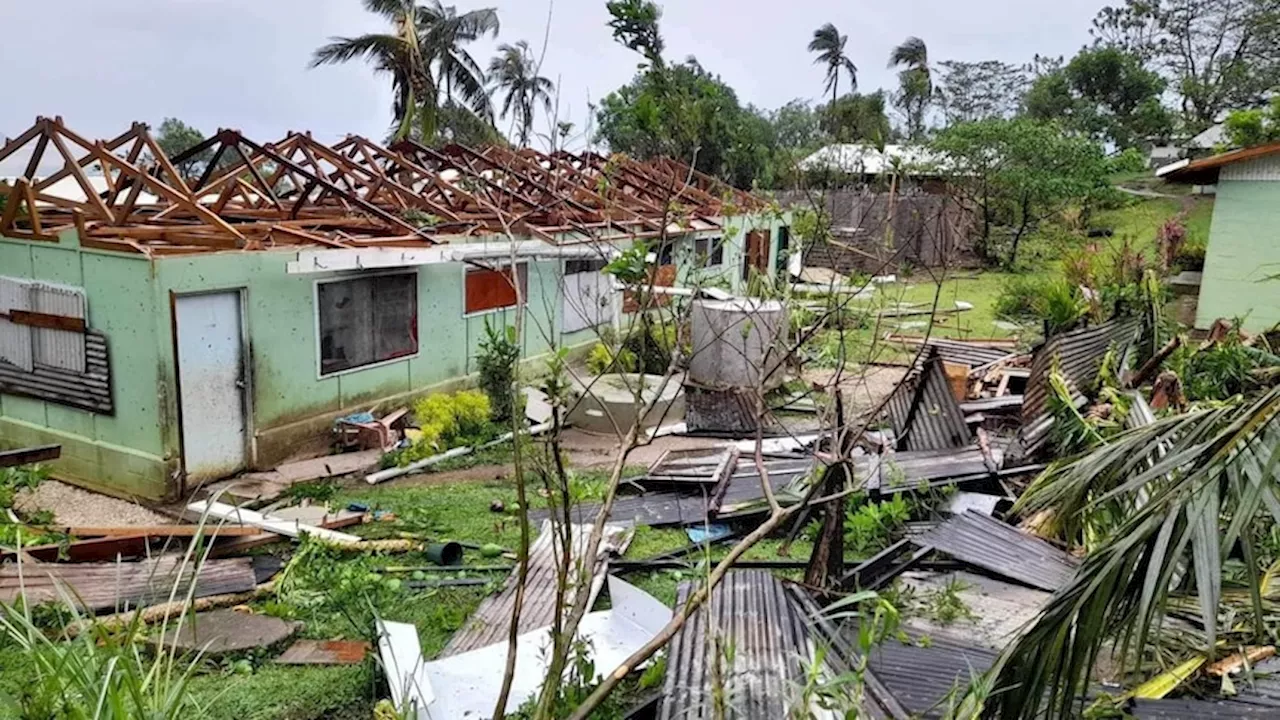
column 71, row 505
column 1002, row 609
column 863, row 388
column 593, row 451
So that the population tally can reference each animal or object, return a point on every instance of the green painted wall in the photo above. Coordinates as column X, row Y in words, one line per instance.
column 137, row 451
column 1244, row 249
column 124, row 453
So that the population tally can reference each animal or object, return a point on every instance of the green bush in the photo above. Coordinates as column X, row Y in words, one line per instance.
column 449, row 421
column 497, row 361
column 603, row 359
column 1052, row 301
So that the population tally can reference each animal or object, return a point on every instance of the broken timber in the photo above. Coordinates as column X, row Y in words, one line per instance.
column 105, row 586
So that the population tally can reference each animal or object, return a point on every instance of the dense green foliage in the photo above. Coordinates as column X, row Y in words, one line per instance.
column 1019, row 172
column 496, row 363
column 1104, row 93
column 1254, row 126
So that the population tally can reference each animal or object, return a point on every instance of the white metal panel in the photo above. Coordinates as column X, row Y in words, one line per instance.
column 1263, row 169
column 589, row 300
column 15, row 340
column 61, row 349
column 210, row 361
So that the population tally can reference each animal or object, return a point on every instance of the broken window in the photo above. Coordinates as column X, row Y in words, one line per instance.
column 709, row 251
column 367, row 320
column 493, row 290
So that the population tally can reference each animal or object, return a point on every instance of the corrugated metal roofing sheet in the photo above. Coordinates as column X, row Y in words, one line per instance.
column 976, row 355
column 742, row 495
column 1079, row 354
column 492, row 619
column 992, row 545
column 1192, row 709
column 750, row 612
column 922, row 678
column 924, row 412
column 109, row 586
column 908, row 470
column 89, row 390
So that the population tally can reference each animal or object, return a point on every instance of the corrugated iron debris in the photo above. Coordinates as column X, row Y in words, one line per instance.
column 998, row 547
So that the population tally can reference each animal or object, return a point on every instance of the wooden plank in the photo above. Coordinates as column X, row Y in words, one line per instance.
column 46, row 320
column 279, row 526
column 105, row 549
column 26, row 456
column 209, row 530
column 237, row 546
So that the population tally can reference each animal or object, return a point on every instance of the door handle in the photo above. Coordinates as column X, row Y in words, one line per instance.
column 240, row 383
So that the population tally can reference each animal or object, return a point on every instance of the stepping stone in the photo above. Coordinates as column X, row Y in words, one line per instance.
column 219, row 632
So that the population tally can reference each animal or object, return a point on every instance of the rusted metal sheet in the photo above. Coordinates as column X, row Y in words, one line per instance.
column 1078, row 354
column 992, row 545
column 105, row 549
column 325, row 652
column 108, row 586
column 750, row 612
column 89, row 390
column 492, row 619
column 924, row 412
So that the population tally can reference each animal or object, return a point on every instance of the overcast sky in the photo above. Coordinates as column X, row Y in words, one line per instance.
column 243, row 63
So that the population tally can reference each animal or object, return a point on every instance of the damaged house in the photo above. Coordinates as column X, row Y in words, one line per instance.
column 167, row 330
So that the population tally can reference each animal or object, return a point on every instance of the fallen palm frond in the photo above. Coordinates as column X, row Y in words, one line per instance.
column 1193, row 488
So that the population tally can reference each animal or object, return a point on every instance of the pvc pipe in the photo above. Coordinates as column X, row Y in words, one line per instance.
column 395, row 472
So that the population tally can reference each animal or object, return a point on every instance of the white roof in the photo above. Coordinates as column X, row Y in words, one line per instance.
column 864, row 159
column 1209, row 139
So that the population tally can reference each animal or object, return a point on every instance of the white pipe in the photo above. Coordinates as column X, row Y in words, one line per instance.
column 395, row 472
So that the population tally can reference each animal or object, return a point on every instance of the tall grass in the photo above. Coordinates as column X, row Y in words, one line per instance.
column 104, row 671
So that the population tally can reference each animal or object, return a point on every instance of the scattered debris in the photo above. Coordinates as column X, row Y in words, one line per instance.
column 325, row 652
column 467, row 684
column 698, row 466
column 220, row 632
column 987, row 543
column 924, row 411
column 491, row 620
column 403, row 665
column 275, row 524
column 105, row 586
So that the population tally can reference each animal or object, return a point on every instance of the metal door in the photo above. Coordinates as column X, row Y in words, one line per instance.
column 211, row 383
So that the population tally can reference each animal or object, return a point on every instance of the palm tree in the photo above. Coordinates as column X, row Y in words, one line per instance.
column 398, row 54
column 829, row 44
column 514, row 72
column 1183, row 510
column 915, row 80
column 423, row 52
column 445, row 33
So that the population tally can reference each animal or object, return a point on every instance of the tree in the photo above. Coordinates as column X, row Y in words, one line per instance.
column 514, row 72
column 915, row 83
column 681, row 111
column 421, row 37
column 1018, row 172
column 1255, row 126
column 445, row 35
column 857, row 118
column 1217, row 54
column 796, row 127
column 1105, row 93
column 972, row 91
column 1184, row 509
column 175, row 136
column 398, row 54
column 829, row 44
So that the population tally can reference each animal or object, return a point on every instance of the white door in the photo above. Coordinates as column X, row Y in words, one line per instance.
column 212, row 381
column 589, row 298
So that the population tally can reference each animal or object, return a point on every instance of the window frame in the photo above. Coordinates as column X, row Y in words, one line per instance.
column 315, row 304
column 497, row 267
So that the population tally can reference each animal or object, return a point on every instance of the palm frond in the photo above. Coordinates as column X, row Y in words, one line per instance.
column 912, row 54
column 1195, row 487
column 384, row 50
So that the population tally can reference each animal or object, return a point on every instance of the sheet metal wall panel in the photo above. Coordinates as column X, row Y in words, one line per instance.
column 1079, row 354
column 60, row 349
column 751, row 612
column 924, row 412
column 15, row 340
column 90, row 390
column 1003, row 549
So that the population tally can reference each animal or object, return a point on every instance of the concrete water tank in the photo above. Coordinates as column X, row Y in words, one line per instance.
column 738, row 343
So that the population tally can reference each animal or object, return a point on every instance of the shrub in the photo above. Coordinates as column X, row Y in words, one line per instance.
column 604, row 359
column 449, row 421
column 1055, row 302
column 497, row 362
